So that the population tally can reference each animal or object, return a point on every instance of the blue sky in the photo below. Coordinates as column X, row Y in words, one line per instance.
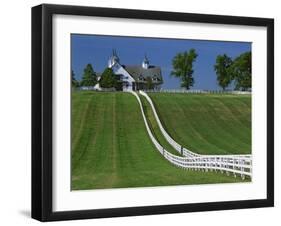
column 96, row 49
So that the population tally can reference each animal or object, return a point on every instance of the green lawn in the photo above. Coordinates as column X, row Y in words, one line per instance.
column 207, row 123
column 111, row 147
column 155, row 128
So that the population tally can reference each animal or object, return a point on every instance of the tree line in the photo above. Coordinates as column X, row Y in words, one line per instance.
column 90, row 78
column 228, row 70
column 238, row 70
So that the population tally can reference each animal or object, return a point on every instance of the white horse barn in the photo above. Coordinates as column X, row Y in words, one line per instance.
column 136, row 77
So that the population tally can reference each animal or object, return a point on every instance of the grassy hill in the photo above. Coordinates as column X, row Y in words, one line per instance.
column 155, row 128
column 111, row 147
column 207, row 123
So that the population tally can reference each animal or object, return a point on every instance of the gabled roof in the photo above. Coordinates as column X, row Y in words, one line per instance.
column 137, row 71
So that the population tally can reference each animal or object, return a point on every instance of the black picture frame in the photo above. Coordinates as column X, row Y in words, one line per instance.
column 42, row 107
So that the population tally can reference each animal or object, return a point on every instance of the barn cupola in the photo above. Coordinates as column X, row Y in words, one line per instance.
column 113, row 59
column 145, row 63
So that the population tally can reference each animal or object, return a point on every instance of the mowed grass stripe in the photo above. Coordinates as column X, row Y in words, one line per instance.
column 240, row 107
column 81, row 109
column 117, row 152
column 222, row 126
column 84, row 132
column 207, row 124
column 178, row 115
column 238, row 122
column 91, row 141
column 155, row 128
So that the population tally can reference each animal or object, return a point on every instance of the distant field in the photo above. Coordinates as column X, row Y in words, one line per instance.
column 111, row 147
column 207, row 123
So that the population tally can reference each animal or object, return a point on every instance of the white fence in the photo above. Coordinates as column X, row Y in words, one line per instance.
column 198, row 91
column 172, row 142
column 95, row 88
column 236, row 164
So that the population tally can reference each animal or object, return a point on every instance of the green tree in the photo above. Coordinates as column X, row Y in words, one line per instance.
column 108, row 79
column 222, row 68
column 74, row 82
column 183, row 67
column 241, row 71
column 89, row 77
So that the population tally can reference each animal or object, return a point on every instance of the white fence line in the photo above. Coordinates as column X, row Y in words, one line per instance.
column 226, row 163
column 198, row 91
column 172, row 142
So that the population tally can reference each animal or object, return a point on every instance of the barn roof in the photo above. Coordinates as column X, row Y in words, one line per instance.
column 137, row 72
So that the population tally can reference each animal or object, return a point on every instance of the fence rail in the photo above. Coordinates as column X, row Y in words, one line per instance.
column 236, row 164
column 199, row 91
